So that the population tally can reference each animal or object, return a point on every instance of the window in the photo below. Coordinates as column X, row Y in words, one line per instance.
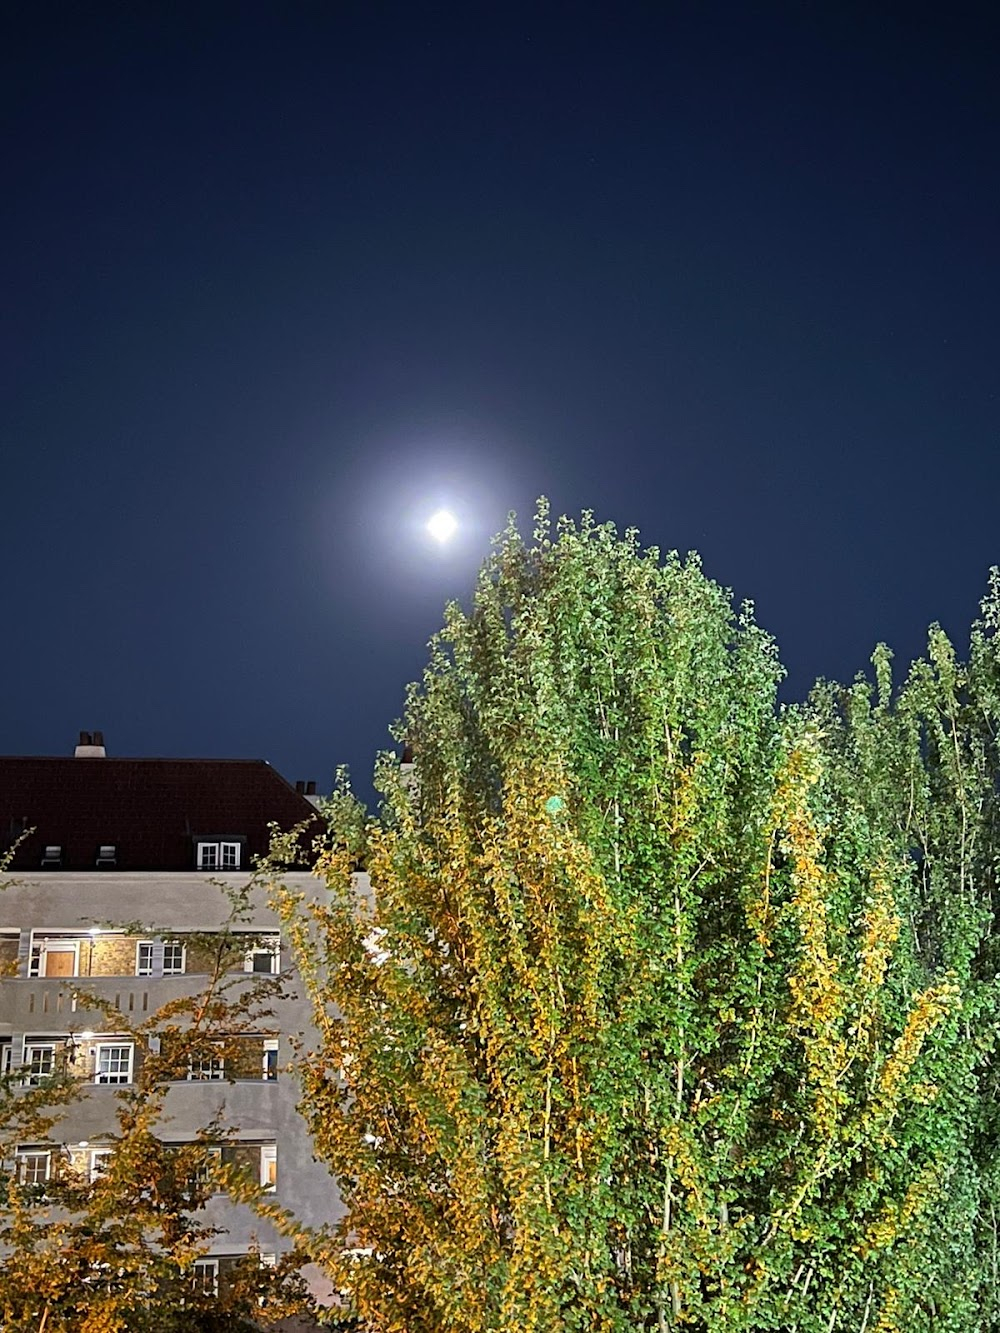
column 210, row 1068
column 264, row 956
column 107, row 855
column 113, row 1064
column 269, row 1166
column 33, row 1165
column 173, row 958
column 218, row 856
column 6, row 1049
column 269, row 1062
column 205, row 1276
column 39, row 1062
column 207, row 1173
column 52, row 855
column 97, row 1163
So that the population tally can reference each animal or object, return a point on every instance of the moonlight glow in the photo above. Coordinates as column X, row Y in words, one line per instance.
column 442, row 526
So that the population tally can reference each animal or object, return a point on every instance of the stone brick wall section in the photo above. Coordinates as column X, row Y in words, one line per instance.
column 111, row 956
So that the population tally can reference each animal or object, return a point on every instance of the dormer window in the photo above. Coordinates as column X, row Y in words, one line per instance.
column 107, row 855
column 52, row 856
column 219, row 855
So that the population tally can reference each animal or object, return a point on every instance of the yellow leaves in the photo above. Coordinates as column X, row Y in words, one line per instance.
column 888, row 1318
column 818, row 994
column 929, row 1009
column 896, row 1220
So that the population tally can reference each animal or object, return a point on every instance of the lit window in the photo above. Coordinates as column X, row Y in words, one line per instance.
column 218, row 856
column 113, row 1064
column 210, row 1068
column 205, row 1276
column 33, row 1166
column 39, row 1062
column 269, row 1063
column 264, row 956
column 269, row 1166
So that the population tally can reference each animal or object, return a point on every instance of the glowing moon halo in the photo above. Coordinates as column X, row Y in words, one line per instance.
column 442, row 526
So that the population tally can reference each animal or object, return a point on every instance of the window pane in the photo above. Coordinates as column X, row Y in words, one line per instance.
column 230, row 855
column 144, row 959
column 270, row 1061
column 33, row 1168
column 209, row 1068
column 206, row 1276
column 208, row 855
column 173, row 957
column 98, row 1162
column 39, row 1061
column 114, row 1064
column 269, row 1165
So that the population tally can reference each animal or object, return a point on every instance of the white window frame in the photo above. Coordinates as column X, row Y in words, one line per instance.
column 202, row 1268
column 32, row 1078
column 268, row 944
column 174, row 971
column 108, row 1077
column 24, row 1155
column 97, row 1163
column 225, row 854
column 269, row 1070
column 269, row 1159
column 147, row 971
column 6, row 1055
column 212, row 1165
column 207, row 1070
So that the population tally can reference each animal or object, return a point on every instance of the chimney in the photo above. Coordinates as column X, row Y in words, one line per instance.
column 300, row 787
column 90, row 746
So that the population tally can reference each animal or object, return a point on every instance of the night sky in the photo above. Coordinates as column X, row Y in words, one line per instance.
column 279, row 279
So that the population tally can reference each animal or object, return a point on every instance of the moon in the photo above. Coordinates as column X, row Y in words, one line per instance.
column 442, row 526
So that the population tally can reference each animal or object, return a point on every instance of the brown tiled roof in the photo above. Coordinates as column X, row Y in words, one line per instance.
column 152, row 810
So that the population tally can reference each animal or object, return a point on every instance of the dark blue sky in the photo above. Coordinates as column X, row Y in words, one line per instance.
column 278, row 277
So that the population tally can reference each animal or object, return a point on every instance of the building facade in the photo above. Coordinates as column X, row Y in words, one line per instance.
column 113, row 891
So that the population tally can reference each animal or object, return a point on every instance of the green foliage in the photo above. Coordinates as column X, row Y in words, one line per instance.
column 670, row 1009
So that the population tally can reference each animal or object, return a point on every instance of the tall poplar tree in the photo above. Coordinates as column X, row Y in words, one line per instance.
column 650, row 1018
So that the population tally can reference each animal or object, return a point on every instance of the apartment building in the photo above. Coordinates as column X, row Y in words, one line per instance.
column 102, row 842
